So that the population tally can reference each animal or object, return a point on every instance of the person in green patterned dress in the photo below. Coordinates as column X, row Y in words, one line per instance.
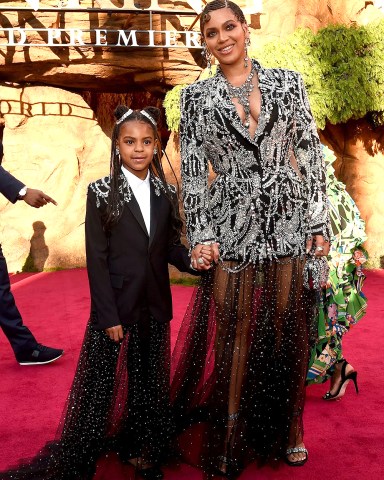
column 342, row 303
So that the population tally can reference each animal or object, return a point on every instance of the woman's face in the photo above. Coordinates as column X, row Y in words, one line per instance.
column 136, row 143
column 225, row 36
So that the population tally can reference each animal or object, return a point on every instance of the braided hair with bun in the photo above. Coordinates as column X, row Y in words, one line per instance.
column 149, row 115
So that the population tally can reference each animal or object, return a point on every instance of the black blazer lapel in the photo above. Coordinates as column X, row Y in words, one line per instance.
column 136, row 212
column 155, row 212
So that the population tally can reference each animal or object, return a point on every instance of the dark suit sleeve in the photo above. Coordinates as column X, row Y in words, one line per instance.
column 104, row 312
column 178, row 254
column 9, row 185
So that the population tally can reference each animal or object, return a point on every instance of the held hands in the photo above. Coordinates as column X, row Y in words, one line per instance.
column 115, row 333
column 319, row 245
column 37, row 198
column 203, row 256
column 320, row 248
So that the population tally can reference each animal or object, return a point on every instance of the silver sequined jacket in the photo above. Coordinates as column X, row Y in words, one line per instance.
column 259, row 206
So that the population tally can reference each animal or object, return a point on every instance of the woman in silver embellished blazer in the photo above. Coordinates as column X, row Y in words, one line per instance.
column 242, row 365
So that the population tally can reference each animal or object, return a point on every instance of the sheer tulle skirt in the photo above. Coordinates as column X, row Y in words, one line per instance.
column 240, row 364
column 119, row 401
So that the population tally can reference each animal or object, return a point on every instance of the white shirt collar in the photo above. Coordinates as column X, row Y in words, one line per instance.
column 135, row 182
column 142, row 191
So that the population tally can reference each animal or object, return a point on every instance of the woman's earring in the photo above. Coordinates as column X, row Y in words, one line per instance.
column 117, row 152
column 246, row 58
column 208, row 56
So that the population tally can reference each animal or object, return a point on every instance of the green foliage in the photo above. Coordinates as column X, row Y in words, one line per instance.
column 342, row 68
column 186, row 281
column 172, row 107
column 29, row 265
column 172, row 102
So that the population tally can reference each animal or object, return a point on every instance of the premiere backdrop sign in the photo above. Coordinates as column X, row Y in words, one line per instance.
column 58, row 35
column 74, row 37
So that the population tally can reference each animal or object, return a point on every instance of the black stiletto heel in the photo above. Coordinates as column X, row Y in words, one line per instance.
column 344, row 383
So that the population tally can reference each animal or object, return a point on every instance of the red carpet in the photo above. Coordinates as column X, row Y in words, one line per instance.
column 345, row 439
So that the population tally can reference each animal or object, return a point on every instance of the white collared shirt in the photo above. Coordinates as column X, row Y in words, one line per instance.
column 142, row 192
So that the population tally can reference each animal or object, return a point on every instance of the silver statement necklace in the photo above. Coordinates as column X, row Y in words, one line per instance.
column 242, row 94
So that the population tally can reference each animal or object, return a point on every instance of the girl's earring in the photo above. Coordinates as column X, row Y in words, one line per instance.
column 208, row 56
column 155, row 151
column 118, row 152
column 246, row 58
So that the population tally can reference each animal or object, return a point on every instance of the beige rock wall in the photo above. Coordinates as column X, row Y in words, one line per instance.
column 280, row 18
column 360, row 151
column 51, row 142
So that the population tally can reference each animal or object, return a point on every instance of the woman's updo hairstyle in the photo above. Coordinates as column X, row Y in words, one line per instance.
column 217, row 5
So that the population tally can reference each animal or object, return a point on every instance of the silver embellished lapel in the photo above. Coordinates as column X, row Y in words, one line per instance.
column 102, row 188
column 159, row 186
column 223, row 103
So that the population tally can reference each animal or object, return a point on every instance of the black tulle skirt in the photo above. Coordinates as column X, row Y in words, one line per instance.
column 240, row 363
column 119, row 401
column 238, row 381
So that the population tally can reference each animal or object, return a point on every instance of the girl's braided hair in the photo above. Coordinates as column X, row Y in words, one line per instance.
column 150, row 116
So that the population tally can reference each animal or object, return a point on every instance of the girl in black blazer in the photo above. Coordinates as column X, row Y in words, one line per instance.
column 119, row 399
column 132, row 232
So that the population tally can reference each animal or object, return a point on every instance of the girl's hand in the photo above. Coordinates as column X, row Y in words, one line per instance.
column 115, row 333
column 319, row 245
column 203, row 255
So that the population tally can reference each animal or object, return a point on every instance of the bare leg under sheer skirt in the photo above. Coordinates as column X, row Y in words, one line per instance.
column 240, row 364
column 119, row 401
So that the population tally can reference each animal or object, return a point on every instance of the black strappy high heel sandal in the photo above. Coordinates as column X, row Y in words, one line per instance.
column 343, row 384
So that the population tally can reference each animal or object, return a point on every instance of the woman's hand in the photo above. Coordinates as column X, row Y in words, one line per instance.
column 115, row 333
column 203, row 255
column 319, row 245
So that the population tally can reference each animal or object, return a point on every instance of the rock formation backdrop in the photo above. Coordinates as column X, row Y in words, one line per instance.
column 56, row 107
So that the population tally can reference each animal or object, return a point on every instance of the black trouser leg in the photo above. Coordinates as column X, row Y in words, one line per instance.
column 19, row 336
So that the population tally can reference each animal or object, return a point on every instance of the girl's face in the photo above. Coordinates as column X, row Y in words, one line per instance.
column 136, row 143
column 225, row 36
